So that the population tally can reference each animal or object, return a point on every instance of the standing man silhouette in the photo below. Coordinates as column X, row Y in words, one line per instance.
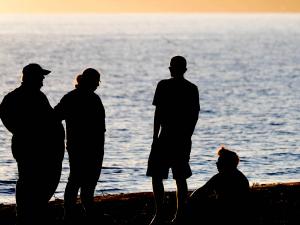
column 84, row 114
column 176, row 115
column 37, row 145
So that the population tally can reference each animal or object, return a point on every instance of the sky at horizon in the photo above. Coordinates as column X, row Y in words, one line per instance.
column 120, row 6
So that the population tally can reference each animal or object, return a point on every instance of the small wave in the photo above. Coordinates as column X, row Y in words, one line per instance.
column 110, row 167
column 277, row 123
column 276, row 173
column 120, row 168
column 286, row 154
column 113, row 171
column 208, row 111
column 110, row 190
column 288, row 171
column 7, row 182
column 282, row 132
column 7, row 191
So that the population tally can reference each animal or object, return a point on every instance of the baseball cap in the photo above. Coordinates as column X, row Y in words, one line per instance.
column 34, row 68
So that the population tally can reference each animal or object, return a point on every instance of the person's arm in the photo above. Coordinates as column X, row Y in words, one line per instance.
column 59, row 110
column 194, row 121
column 157, row 124
column 204, row 191
column 157, row 114
column 195, row 113
column 7, row 114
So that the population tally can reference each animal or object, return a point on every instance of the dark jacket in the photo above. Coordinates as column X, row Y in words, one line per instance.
column 84, row 115
column 37, row 134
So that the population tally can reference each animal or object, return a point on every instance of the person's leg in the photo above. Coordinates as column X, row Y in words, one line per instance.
column 181, row 171
column 90, row 177
column 181, row 199
column 22, row 206
column 47, row 185
column 158, row 192
column 27, row 194
column 87, row 195
column 70, row 198
column 87, row 199
column 52, row 174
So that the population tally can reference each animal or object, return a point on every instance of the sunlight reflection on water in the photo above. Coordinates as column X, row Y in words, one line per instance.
column 246, row 67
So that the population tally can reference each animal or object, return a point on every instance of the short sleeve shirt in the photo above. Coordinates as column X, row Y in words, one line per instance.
column 178, row 102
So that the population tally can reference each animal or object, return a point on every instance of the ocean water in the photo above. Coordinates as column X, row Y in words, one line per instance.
column 246, row 66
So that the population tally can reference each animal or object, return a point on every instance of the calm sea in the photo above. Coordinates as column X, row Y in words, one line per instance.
column 247, row 68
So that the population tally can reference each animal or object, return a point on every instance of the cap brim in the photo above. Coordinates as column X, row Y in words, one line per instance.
column 46, row 72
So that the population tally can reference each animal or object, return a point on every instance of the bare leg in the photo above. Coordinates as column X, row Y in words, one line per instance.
column 159, row 192
column 181, row 198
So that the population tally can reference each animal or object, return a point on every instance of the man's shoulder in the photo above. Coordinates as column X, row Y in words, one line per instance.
column 176, row 82
column 66, row 98
column 76, row 94
column 14, row 93
column 191, row 84
column 163, row 85
column 70, row 94
column 164, row 82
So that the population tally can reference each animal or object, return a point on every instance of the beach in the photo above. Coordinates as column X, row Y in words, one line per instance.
column 272, row 204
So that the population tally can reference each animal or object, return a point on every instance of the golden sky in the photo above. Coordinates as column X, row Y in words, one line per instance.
column 59, row 6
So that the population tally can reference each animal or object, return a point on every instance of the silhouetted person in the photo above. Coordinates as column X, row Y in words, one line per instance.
column 224, row 199
column 176, row 114
column 37, row 145
column 84, row 114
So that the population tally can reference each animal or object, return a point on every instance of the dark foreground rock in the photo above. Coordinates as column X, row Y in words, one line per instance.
column 272, row 204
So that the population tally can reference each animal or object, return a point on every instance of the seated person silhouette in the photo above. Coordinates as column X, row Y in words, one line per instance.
column 224, row 198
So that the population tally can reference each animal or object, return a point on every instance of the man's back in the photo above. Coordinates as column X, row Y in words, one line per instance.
column 178, row 101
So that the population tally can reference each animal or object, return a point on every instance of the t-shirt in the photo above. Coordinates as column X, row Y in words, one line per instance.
column 178, row 102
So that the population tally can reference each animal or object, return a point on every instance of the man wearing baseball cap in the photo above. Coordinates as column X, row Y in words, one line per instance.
column 37, row 145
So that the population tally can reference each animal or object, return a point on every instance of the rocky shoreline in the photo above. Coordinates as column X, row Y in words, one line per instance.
column 272, row 204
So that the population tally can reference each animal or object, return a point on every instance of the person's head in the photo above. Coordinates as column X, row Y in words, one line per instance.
column 33, row 75
column 227, row 161
column 177, row 66
column 88, row 80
